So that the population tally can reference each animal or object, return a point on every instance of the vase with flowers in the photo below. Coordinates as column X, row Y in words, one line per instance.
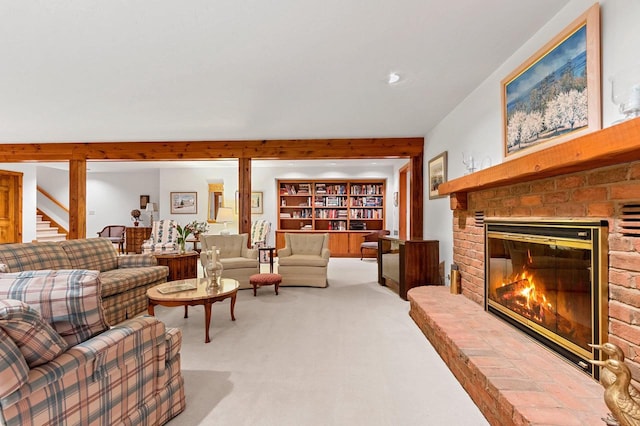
column 183, row 234
column 198, row 228
column 135, row 217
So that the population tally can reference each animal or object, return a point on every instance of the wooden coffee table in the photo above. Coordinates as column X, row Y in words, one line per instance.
column 200, row 295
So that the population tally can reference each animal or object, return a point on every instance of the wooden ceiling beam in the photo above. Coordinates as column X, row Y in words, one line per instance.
column 208, row 150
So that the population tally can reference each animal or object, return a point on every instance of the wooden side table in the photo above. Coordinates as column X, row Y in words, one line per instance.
column 181, row 266
column 135, row 236
column 271, row 255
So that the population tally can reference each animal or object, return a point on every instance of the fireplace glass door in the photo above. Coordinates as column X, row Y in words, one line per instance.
column 544, row 278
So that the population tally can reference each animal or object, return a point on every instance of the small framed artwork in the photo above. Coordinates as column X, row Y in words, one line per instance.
column 437, row 174
column 256, row 202
column 184, row 202
column 144, row 200
column 555, row 95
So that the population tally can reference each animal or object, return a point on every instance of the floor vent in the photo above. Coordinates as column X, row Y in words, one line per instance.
column 630, row 224
column 479, row 219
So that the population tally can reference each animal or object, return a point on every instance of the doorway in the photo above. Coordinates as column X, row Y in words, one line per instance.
column 10, row 207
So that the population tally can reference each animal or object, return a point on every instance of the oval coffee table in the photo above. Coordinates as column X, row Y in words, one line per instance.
column 173, row 293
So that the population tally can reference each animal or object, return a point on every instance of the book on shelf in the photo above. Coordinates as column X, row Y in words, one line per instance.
column 285, row 215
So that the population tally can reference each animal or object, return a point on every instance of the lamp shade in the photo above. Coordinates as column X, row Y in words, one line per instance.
column 225, row 214
column 151, row 207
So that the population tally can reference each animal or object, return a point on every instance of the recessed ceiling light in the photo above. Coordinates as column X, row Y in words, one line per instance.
column 393, row 78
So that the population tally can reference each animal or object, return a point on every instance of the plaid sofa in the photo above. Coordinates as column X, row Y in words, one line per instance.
column 125, row 279
column 61, row 364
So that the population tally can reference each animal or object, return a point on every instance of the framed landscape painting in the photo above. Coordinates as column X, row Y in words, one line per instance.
column 437, row 174
column 555, row 95
column 184, row 202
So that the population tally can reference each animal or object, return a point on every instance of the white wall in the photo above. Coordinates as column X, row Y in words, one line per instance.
column 474, row 126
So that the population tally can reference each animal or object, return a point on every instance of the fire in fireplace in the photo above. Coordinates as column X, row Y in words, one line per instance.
column 548, row 278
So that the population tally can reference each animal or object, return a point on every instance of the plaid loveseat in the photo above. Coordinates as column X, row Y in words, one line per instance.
column 125, row 279
column 61, row 364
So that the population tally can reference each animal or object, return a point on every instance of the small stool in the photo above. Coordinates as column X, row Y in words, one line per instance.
column 258, row 280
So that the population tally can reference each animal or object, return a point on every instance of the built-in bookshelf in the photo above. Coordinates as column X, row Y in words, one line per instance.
column 331, row 205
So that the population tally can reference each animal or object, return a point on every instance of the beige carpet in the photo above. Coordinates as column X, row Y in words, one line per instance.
column 348, row 354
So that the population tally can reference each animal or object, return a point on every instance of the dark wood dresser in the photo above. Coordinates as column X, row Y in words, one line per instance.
column 404, row 264
column 135, row 236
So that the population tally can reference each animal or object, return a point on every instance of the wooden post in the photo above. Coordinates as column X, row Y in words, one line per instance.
column 244, row 196
column 416, row 199
column 77, row 199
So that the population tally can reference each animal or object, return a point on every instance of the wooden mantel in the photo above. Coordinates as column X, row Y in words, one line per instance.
column 616, row 144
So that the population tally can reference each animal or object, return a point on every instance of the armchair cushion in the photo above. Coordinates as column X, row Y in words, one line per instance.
column 69, row 300
column 304, row 260
column 37, row 340
column 14, row 371
column 311, row 244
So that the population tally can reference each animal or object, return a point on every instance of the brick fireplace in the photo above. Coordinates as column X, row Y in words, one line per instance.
column 603, row 193
column 592, row 178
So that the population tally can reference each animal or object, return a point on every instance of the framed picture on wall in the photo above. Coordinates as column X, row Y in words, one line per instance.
column 144, row 200
column 437, row 174
column 256, row 202
column 555, row 95
column 184, row 202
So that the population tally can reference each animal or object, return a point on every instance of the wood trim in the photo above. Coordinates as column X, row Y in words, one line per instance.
column 52, row 199
column 208, row 150
column 403, row 174
column 613, row 145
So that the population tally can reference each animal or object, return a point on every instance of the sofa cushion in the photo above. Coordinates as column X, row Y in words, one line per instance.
column 91, row 253
column 14, row 371
column 303, row 260
column 118, row 281
column 33, row 256
column 37, row 340
column 69, row 300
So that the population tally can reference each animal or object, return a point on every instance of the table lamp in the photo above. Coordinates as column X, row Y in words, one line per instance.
column 225, row 215
column 150, row 209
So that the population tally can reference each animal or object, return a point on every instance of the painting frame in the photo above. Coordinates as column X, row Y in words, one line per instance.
column 144, row 200
column 256, row 200
column 437, row 174
column 185, row 202
column 534, row 116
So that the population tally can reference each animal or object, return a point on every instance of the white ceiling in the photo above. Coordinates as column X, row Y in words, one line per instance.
column 122, row 70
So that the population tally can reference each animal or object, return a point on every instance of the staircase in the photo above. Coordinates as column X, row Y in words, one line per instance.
column 46, row 232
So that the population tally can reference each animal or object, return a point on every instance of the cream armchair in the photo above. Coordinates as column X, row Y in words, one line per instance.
column 238, row 261
column 304, row 260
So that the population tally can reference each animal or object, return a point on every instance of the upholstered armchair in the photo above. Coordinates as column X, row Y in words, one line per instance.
column 304, row 260
column 164, row 237
column 238, row 261
column 115, row 234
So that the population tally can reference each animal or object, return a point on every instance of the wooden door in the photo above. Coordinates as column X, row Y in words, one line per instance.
column 10, row 207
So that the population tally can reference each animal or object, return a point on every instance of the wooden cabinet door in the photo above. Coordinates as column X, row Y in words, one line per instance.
column 339, row 244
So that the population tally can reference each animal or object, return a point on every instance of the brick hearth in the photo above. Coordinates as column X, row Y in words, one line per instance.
column 510, row 377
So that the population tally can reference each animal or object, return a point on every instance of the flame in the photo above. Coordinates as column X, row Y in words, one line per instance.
column 533, row 302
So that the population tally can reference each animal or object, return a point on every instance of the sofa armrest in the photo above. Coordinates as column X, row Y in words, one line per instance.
column 326, row 253
column 136, row 261
column 284, row 252
column 133, row 341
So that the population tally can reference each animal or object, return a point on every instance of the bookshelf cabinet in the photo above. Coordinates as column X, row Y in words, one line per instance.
column 346, row 209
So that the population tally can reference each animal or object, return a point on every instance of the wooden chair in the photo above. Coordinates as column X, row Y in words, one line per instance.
column 115, row 234
column 371, row 241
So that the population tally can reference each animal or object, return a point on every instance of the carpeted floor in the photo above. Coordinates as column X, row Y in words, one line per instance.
column 348, row 354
